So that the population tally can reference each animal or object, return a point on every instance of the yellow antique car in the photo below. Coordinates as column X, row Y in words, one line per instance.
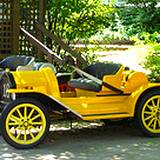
column 101, row 91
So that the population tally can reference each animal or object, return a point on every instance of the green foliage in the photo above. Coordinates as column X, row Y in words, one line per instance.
column 116, row 31
column 74, row 19
column 143, row 16
column 107, row 35
column 149, row 38
column 152, row 63
column 139, row 17
column 142, row 3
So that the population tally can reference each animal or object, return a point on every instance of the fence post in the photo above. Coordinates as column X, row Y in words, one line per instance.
column 15, row 40
column 41, row 20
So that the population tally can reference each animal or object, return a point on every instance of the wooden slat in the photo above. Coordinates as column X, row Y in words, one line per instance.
column 15, row 42
column 41, row 20
column 6, row 25
column 29, row 10
column 60, row 42
column 41, row 46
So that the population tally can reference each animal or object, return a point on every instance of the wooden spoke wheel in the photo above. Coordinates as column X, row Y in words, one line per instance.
column 148, row 114
column 25, row 123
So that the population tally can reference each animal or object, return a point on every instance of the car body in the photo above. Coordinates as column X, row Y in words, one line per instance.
column 38, row 99
column 11, row 63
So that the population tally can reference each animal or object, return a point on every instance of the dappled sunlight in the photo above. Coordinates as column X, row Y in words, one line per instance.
column 88, row 141
column 133, row 57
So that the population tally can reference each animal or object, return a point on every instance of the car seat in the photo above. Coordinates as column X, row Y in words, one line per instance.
column 12, row 62
column 98, row 70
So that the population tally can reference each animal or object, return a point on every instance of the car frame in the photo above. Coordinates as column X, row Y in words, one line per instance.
column 37, row 99
column 103, row 92
column 11, row 63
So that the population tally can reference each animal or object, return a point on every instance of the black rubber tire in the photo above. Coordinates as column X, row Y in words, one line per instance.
column 6, row 111
column 138, row 117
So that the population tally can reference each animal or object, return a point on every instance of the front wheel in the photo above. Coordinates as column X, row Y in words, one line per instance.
column 148, row 114
column 24, row 123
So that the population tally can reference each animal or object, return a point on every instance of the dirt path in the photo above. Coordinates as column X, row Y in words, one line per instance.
column 132, row 57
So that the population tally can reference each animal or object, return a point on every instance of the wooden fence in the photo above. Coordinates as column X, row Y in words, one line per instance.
column 9, row 26
column 16, row 13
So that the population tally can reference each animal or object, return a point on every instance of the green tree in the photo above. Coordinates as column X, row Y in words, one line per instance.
column 142, row 3
column 75, row 19
column 143, row 16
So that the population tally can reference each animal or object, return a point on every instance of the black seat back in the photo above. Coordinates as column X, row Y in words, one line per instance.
column 12, row 62
column 100, row 69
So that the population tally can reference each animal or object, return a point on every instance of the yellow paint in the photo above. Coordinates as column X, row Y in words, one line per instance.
column 43, row 81
column 105, row 104
column 135, row 80
column 114, row 80
column 151, row 114
column 21, row 125
column 81, row 92
column 136, row 94
column 96, row 105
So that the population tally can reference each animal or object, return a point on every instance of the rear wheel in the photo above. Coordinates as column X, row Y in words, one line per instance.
column 25, row 123
column 148, row 114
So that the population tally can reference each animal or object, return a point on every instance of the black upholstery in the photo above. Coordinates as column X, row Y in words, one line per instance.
column 12, row 62
column 84, row 83
column 63, row 78
column 98, row 70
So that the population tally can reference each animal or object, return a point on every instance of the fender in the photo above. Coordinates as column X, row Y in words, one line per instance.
column 46, row 87
column 136, row 95
column 44, row 99
column 27, row 81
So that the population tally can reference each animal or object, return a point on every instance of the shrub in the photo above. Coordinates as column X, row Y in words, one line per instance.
column 152, row 63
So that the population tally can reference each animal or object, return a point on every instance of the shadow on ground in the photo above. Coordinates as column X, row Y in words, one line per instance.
column 95, row 143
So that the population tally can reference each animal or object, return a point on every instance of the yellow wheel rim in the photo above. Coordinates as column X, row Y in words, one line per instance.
column 25, row 124
column 151, row 114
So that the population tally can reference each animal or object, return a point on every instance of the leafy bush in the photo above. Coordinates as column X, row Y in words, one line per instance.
column 152, row 63
column 74, row 19
column 143, row 15
column 137, row 17
column 147, row 38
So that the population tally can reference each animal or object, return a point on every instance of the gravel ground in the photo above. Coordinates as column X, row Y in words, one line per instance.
column 94, row 142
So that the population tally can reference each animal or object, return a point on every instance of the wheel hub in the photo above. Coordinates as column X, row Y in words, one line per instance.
column 25, row 124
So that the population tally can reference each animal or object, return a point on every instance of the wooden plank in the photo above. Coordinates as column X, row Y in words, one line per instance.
column 16, row 12
column 29, row 10
column 41, row 20
column 41, row 46
column 60, row 42
column 6, row 34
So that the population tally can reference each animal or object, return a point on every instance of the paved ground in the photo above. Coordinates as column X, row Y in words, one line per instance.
column 92, row 143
